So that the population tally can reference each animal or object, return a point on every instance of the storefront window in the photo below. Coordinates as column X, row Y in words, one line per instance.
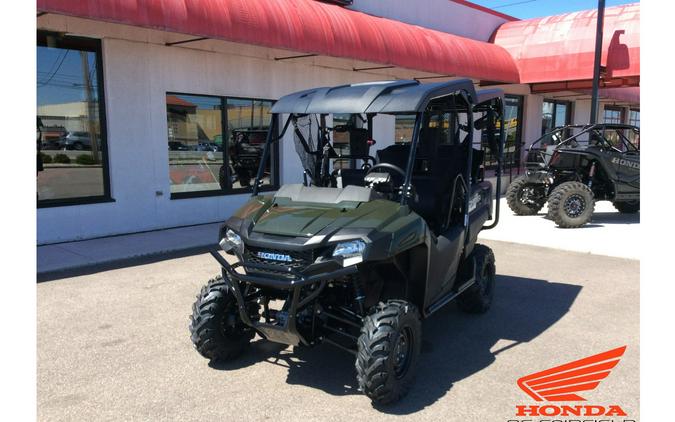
column 247, row 125
column 72, row 158
column 405, row 124
column 513, row 112
column 612, row 115
column 215, row 143
column 554, row 114
column 341, row 139
column 634, row 118
column 194, row 131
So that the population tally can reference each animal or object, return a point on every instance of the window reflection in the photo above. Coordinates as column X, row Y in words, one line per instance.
column 216, row 143
column 513, row 108
column 247, row 125
column 341, row 139
column 634, row 118
column 71, row 150
column 612, row 115
column 194, row 123
column 555, row 113
column 405, row 124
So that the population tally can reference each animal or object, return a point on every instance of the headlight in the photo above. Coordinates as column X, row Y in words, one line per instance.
column 351, row 252
column 232, row 242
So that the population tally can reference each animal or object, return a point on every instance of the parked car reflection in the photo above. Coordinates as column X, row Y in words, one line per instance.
column 78, row 141
column 177, row 146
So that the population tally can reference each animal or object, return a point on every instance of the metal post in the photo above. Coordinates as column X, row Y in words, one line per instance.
column 271, row 137
column 411, row 158
column 596, row 65
column 91, row 108
column 265, row 155
column 500, row 157
column 469, row 162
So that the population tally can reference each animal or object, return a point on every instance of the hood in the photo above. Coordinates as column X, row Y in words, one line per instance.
column 307, row 221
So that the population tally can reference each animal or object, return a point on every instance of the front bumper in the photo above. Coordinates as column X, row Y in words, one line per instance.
column 291, row 280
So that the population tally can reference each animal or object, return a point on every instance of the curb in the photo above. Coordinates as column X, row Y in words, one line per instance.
column 141, row 259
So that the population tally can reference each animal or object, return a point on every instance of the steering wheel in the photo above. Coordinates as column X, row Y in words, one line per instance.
column 387, row 166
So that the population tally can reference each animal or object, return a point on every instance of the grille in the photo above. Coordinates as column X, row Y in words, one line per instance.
column 299, row 260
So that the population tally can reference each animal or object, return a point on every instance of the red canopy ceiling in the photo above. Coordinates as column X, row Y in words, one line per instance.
column 561, row 48
column 306, row 26
column 629, row 94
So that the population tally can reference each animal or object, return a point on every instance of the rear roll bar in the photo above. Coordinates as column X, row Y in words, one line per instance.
column 500, row 156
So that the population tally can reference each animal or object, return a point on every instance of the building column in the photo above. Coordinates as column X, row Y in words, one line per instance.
column 531, row 122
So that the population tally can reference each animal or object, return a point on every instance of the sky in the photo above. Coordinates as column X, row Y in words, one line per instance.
column 59, row 75
column 525, row 9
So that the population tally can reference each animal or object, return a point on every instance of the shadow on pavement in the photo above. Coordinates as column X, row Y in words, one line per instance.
column 455, row 345
column 600, row 219
column 121, row 263
column 615, row 218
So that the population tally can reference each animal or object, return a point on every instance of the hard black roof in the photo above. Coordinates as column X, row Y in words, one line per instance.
column 371, row 97
column 484, row 95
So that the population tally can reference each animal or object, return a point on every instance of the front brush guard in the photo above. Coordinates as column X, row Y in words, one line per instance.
column 286, row 333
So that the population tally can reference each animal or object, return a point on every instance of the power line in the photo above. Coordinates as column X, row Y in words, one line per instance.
column 59, row 57
column 57, row 69
column 513, row 4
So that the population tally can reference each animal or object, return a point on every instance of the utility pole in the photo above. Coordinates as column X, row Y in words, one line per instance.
column 91, row 107
column 596, row 64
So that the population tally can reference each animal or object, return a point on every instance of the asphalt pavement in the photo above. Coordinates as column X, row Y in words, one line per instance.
column 114, row 345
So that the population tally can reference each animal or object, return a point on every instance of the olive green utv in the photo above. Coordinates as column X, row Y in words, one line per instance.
column 368, row 246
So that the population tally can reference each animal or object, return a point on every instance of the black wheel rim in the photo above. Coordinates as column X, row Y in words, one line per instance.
column 574, row 205
column 484, row 282
column 529, row 196
column 525, row 194
column 403, row 352
column 229, row 324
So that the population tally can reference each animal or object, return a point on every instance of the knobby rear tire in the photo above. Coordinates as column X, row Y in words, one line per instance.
column 558, row 198
column 477, row 298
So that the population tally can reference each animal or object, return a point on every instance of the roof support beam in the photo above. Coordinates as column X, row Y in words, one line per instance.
column 186, row 41
column 359, row 69
column 421, row 78
column 295, row 57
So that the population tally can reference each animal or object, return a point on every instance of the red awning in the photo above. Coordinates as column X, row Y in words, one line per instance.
column 306, row 26
column 561, row 48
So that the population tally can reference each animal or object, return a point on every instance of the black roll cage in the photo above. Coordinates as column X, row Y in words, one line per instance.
column 590, row 129
column 492, row 105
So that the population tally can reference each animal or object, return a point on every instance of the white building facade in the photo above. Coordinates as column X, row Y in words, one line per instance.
column 160, row 103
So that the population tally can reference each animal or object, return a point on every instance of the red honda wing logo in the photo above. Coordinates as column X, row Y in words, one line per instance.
column 563, row 382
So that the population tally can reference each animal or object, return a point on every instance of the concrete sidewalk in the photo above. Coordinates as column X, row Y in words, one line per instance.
column 80, row 255
column 610, row 234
